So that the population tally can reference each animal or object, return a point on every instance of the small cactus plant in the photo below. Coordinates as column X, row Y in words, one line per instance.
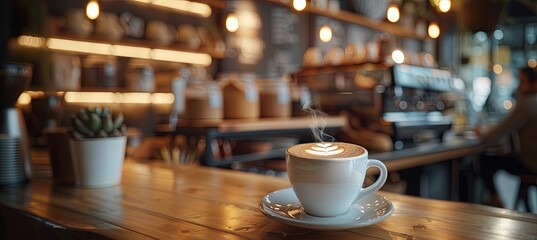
column 97, row 122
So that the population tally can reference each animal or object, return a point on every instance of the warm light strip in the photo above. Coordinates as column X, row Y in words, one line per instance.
column 115, row 97
column 136, row 98
column 24, row 99
column 162, row 98
column 78, row 46
column 128, row 51
column 31, row 41
column 91, row 97
column 104, row 97
column 200, row 9
column 178, row 56
column 125, row 51
column 173, row 4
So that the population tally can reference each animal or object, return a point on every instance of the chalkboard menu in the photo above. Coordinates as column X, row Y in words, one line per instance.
column 273, row 47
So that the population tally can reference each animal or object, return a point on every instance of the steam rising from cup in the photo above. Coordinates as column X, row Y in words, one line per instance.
column 318, row 122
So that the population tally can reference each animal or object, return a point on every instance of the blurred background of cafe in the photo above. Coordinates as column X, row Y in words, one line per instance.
column 429, row 69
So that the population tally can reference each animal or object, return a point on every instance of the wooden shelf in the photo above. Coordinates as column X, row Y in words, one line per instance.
column 355, row 18
column 311, row 70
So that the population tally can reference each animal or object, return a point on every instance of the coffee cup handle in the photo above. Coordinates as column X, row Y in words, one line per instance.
column 380, row 180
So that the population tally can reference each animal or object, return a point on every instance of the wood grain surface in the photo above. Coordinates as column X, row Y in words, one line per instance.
column 193, row 202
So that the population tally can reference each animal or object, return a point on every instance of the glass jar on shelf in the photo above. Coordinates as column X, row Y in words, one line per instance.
column 140, row 78
column 241, row 96
column 203, row 100
column 274, row 98
column 300, row 97
column 100, row 71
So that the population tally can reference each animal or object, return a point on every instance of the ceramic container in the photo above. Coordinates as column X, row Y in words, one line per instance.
column 98, row 162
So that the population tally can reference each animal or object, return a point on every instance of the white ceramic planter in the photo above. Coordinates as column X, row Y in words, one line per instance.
column 98, row 162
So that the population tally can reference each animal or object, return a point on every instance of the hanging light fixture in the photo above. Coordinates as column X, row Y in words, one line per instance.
column 392, row 14
column 433, row 30
column 232, row 22
column 444, row 5
column 299, row 5
column 92, row 10
column 325, row 33
column 441, row 5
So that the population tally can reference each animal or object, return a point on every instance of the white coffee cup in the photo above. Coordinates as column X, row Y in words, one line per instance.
column 327, row 178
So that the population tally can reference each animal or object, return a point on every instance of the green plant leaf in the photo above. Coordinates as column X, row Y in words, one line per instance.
column 95, row 122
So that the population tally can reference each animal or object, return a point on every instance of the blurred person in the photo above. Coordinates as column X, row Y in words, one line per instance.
column 521, row 125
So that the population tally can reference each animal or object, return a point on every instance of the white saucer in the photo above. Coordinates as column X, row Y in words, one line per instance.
column 283, row 206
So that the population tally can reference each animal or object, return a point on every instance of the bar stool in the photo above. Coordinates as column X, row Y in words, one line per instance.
column 526, row 180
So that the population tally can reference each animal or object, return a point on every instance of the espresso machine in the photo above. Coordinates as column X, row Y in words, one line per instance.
column 415, row 101
column 405, row 103
column 14, row 143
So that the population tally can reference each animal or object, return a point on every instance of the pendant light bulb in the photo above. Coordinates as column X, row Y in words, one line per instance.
column 444, row 6
column 232, row 22
column 433, row 30
column 393, row 13
column 325, row 33
column 299, row 5
column 92, row 10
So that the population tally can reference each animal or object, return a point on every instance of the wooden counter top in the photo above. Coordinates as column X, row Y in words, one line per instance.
column 193, row 202
column 428, row 153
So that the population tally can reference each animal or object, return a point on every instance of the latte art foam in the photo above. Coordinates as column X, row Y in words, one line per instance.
column 326, row 150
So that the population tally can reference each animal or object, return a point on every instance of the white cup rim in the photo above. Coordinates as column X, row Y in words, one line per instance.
column 327, row 158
